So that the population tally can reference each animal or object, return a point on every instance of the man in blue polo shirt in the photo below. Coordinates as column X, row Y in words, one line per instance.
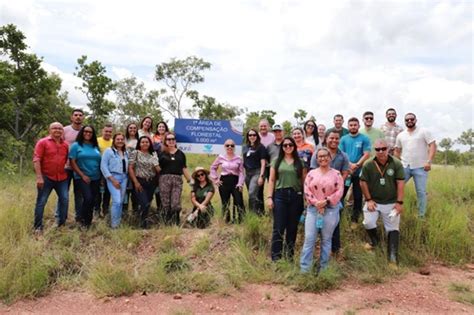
column 357, row 147
column 340, row 162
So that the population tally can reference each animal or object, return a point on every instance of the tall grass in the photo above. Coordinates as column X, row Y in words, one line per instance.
column 221, row 258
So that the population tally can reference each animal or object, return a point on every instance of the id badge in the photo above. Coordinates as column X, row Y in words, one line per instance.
column 382, row 181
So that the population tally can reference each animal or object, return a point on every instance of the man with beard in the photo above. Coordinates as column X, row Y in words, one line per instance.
column 391, row 129
column 369, row 130
column 357, row 147
column 339, row 162
column 416, row 147
column 338, row 120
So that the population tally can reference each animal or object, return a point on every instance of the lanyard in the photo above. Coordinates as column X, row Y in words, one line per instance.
column 378, row 168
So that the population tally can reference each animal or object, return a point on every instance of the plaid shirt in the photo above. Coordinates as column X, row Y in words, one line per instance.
column 391, row 134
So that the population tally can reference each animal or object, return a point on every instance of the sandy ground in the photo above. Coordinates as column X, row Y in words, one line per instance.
column 413, row 293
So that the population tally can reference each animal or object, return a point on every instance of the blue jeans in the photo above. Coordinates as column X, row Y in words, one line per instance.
column 420, row 176
column 118, row 196
column 287, row 208
column 89, row 193
column 61, row 189
column 331, row 218
column 77, row 197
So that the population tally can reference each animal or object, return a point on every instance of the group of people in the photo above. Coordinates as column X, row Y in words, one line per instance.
column 312, row 166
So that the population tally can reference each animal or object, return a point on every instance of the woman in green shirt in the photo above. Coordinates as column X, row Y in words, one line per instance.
column 285, row 197
column 201, row 196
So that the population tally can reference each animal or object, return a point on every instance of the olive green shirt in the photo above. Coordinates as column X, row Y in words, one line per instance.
column 287, row 177
column 383, row 189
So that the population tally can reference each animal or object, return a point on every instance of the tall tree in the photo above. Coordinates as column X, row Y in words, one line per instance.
column 134, row 101
column 253, row 118
column 300, row 116
column 179, row 75
column 287, row 127
column 96, row 85
column 207, row 107
column 467, row 138
column 446, row 144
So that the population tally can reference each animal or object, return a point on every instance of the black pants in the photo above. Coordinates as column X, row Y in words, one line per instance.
column 357, row 193
column 287, row 208
column 226, row 190
column 144, row 198
column 89, row 193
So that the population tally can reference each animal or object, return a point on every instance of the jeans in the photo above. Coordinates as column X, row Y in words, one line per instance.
column 251, row 180
column 287, row 208
column 227, row 189
column 89, row 193
column 144, row 199
column 357, row 193
column 118, row 196
column 331, row 218
column 61, row 189
column 420, row 176
column 77, row 197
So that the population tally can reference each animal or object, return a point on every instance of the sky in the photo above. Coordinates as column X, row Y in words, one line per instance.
column 341, row 57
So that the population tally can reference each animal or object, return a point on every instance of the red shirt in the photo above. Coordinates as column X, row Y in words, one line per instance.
column 52, row 157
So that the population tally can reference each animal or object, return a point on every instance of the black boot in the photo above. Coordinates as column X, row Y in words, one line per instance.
column 393, row 241
column 374, row 238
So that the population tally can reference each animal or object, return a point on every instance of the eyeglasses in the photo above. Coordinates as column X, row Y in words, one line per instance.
column 409, row 119
column 170, row 139
column 310, row 126
column 200, row 175
column 87, row 131
column 288, row 145
column 369, row 118
column 381, row 149
column 323, row 156
column 252, row 135
column 229, row 145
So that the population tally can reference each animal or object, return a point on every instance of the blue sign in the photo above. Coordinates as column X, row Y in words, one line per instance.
column 207, row 136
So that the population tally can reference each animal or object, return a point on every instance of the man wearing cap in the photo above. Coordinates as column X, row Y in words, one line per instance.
column 49, row 160
column 274, row 147
column 382, row 183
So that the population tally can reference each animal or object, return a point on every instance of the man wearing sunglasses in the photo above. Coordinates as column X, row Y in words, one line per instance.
column 369, row 131
column 416, row 147
column 382, row 183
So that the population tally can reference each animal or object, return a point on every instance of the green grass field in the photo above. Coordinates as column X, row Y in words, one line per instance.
column 219, row 259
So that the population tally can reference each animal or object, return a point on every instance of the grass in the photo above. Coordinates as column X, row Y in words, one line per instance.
column 221, row 258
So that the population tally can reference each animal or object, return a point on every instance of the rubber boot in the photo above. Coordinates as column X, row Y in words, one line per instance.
column 393, row 241
column 374, row 238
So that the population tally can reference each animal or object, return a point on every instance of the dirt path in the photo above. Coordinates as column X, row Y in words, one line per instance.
column 414, row 293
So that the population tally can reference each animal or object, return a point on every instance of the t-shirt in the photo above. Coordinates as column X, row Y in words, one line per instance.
column 287, row 176
column 355, row 147
column 305, row 151
column 342, row 132
column 414, row 146
column 104, row 144
column 267, row 139
column 87, row 159
column 70, row 134
column 373, row 134
column 383, row 191
column 253, row 156
column 172, row 164
column 201, row 192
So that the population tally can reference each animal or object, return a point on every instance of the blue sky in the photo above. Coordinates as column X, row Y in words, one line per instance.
column 344, row 57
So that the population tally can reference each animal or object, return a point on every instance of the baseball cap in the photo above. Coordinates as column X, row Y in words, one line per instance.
column 277, row 127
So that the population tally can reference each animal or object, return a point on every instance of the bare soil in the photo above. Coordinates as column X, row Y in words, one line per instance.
column 412, row 293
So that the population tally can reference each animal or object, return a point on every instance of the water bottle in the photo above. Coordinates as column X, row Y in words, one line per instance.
column 319, row 221
column 347, row 183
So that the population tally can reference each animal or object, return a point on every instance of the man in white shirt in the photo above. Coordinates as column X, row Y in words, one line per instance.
column 416, row 147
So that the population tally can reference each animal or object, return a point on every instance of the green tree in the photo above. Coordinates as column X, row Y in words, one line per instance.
column 179, row 75
column 253, row 118
column 206, row 107
column 300, row 116
column 467, row 138
column 446, row 144
column 134, row 102
column 268, row 115
column 30, row 98
column 287, row 127
column 96, row 85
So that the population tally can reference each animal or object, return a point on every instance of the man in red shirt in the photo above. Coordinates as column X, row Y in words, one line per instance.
column 49, row 159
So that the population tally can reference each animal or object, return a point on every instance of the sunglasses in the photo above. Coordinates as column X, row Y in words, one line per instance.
column 87, row 131
column 310, row 126
column 381, row 149
column 252, row 135
column 369, row 118
column 323, row 156
column 409, row 119
column 200, row 175
column 288, row 145
column 170, row 139
column 229, row 145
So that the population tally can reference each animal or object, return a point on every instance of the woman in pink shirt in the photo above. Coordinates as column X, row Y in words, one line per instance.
column 230, row 182
column 323, row 188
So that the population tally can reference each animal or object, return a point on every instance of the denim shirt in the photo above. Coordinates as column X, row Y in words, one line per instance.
column 112, row 162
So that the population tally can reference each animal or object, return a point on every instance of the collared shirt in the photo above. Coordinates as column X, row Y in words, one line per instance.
column 273, row 150
column 233, row 166
column 267, row 139
column 318, row 186
column 52, row 157
column 113, row 163
column 339, row 162
column 414, row 146
column 391, row 133
column 342, row 132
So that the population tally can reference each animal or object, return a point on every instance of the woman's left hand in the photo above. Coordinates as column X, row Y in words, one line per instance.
column 260, row 181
